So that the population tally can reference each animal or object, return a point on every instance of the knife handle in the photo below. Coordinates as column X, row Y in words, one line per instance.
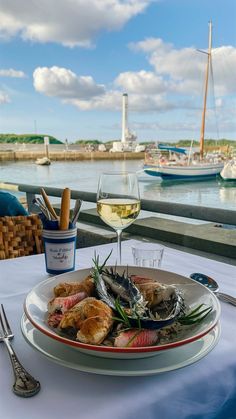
column 65, row 210
column 48, row 204
column 226, row 298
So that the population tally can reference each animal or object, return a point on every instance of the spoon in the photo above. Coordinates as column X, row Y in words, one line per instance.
column 210, row 283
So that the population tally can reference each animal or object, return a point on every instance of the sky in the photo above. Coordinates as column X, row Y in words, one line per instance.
column 65, row 64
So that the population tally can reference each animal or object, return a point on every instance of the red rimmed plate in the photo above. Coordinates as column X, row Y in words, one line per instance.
column 35, row 308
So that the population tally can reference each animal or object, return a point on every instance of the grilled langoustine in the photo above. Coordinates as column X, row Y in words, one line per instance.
column 91, row 318
column 69, row 288
column 145, row 302
column 153, row 292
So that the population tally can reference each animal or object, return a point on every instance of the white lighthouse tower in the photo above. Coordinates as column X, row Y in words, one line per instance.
column 124, row 117
column 128, row 139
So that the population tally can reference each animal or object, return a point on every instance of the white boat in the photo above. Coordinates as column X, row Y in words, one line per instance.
column 44, row 161
column 192, row 172
column 190, row 169
column 229, row 170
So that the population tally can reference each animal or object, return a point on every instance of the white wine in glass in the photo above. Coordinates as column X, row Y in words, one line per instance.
column 118, row 201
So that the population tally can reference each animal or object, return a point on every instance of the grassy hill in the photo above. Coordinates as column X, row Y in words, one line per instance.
column 27, row 138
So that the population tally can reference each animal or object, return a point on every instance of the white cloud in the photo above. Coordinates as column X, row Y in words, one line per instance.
column 71, row 23
column 224, row 64
column 150, row 103
column 141, row 82
column 149, row 45
column 184, row 68
column 4, row 98
column 112, row 100
column 12, row 73
column 63, row 83
column 176, row 81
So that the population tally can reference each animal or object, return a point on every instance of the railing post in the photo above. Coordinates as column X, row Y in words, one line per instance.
column 29, row 198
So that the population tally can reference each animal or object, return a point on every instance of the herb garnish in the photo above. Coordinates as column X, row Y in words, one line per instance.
column 96, row 262
column 195, row 316
column 123, row 316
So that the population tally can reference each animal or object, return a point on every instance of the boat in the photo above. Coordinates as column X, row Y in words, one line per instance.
column 228, row 172
column 201, row 171
column 196, row 167
column 44, row 161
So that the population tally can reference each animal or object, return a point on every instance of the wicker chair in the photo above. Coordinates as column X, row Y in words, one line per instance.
column 20, row 236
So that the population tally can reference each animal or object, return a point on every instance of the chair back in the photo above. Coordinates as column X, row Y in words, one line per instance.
column 20, row 236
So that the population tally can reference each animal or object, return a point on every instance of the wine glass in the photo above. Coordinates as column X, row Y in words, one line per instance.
column 118, row 201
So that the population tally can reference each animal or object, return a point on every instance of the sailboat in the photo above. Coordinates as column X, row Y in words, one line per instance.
column 190, row 169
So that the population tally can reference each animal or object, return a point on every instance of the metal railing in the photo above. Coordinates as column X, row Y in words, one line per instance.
column 217, row 215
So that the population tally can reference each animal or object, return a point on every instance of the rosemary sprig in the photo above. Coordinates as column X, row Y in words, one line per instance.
column 123, row 316
column 96, row 262
column 195, row 316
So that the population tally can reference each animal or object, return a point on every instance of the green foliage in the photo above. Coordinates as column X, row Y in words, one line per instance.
column 39, row 139
column 208, row 142
column 187, row 143
column 196, row 315
column 27, row 138
column 87, row 142
column 110, row 142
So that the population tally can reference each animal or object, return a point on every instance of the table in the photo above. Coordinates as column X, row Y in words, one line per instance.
column 204, row 390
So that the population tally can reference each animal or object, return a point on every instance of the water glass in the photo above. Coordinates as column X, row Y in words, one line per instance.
column 147, row 255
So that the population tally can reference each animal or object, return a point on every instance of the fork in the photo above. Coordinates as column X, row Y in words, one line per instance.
column 25, row 385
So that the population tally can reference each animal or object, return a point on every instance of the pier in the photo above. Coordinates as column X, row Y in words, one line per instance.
column 17, row 152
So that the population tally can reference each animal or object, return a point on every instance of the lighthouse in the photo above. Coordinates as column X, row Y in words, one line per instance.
column 124, row 117
column 128, row 139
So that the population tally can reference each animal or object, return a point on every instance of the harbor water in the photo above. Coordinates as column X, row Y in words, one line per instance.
column 83, row 175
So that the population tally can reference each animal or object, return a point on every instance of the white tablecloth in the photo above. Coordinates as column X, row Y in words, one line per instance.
column 203, row 390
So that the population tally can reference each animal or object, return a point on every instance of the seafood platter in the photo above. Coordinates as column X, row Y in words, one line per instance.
column 122, row 312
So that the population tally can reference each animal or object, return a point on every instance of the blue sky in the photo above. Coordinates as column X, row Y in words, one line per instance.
column 64, row 66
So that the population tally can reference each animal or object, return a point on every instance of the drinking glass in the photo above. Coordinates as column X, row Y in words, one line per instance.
column 118, row 201
column 147, row 254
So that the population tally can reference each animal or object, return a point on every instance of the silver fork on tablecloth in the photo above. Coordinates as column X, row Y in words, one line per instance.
column 25, row 385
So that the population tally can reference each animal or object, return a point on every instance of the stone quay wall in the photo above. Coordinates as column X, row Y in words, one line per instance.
column 10, row 155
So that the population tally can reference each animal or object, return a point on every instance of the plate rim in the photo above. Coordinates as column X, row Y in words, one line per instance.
column 125, row 372
column 116, row 350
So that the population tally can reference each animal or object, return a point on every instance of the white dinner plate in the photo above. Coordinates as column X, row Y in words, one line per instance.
column 35, row 308
column 166, row 361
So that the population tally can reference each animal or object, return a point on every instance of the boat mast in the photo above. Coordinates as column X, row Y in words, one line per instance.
column 205, row 91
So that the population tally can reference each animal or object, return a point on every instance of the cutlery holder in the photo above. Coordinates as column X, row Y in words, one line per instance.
column 59, row 247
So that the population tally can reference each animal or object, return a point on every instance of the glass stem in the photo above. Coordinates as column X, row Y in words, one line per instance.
column 118, row 232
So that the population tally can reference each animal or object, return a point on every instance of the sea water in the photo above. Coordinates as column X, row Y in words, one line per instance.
column 83, row 176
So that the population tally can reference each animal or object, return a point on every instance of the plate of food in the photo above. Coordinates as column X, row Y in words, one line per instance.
column 122, row 312
column 166, row 360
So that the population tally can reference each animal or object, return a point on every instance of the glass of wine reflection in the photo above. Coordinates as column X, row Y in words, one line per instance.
column 118, row 201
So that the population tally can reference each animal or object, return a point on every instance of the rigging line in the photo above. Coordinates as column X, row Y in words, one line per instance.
column 214, row 101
